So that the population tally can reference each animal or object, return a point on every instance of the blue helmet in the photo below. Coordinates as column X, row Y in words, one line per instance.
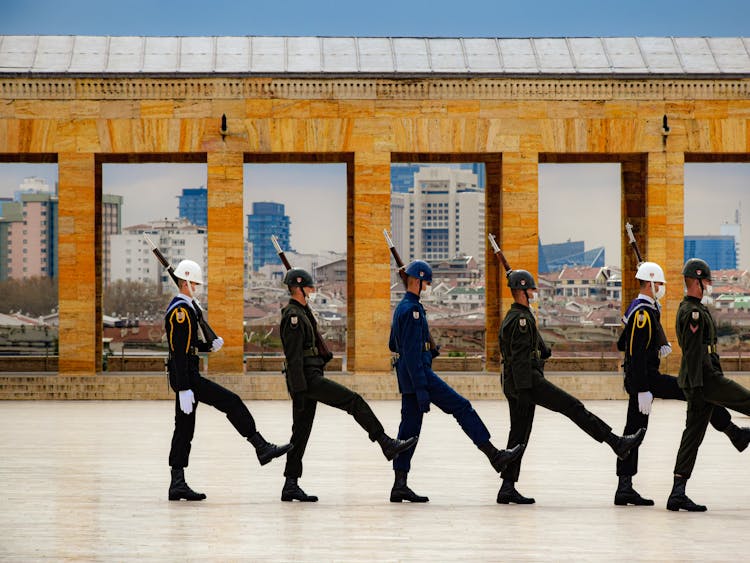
column 419, row 269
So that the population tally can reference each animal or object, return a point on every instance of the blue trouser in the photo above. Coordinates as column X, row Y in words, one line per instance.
column 447, row 400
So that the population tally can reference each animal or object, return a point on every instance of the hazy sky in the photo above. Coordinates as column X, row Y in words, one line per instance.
column 576, row 201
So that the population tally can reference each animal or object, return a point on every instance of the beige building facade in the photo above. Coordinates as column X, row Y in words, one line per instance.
column 82, row 102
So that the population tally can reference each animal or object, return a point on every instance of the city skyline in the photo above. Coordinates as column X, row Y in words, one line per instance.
column 315, row 195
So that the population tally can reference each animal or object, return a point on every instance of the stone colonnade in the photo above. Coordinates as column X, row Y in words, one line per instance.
column 510, row 124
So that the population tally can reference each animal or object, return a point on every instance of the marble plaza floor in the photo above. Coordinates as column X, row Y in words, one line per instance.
column 88, row 481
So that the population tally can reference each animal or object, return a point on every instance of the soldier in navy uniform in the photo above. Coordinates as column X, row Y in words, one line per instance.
column 181, row 324
column 701, row 378
column 644, row 343
column 524, row 353
column 419, row 385
column 308, row 386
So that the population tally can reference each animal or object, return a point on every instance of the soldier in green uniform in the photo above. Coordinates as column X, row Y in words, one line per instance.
column 524, row 353
column 307, row 386
column 701, row 378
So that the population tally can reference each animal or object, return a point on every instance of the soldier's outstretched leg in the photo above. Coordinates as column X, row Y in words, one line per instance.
column 266, row 451
column 447, row 400
column 628, row 467
column 401, row 492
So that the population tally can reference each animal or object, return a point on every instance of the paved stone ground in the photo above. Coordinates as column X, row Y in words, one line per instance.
column 88, row 481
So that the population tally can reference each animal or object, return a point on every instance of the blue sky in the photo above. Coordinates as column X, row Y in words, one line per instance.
column 467, row 18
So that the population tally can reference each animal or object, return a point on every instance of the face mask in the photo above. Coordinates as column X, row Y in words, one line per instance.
column 660, row 292
column 426, row 291
column 195, row 290
column 533, row 298
column 311, row 295
column 708, row 289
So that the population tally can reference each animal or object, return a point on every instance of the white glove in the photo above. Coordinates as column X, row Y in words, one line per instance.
column 665, row 351
column 186, row 401
column 645, row 398
column 217, row 344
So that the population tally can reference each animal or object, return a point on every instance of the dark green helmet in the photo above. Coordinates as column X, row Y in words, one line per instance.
column 521, row 279
column 297, row 277
column 696, row 268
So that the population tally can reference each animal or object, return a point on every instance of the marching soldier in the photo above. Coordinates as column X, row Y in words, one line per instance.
column 701, row 378
column 307, row 386
column 644, row 343
column 181, row 324
column 420, row 386
column 524, row 353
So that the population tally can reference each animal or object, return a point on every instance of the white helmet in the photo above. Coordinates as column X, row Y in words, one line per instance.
column 189, row 271
column 650, row 271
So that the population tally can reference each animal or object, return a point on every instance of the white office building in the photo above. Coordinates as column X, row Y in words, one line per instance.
column 441, row 217
column 133, row 260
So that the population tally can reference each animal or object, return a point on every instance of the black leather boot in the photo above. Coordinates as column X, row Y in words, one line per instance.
column 740, row 437
column 622, row 445
column 500, row 459
column 508, row 494
column 178, row 488
column 392, row 447
column 626, row 494
column 400, row 492
column 292, row 491
column 678, row 500
column 267, row 451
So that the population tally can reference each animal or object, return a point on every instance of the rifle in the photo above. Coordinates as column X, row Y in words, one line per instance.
column 633, row 242
column 499, row 254
column 205, row 332
column 434, row 348
column 323, row 351
column 634, row 245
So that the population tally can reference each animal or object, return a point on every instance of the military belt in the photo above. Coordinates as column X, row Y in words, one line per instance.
column 426, row 346
column 191, row 351
column 310, row 352
column 711, row 348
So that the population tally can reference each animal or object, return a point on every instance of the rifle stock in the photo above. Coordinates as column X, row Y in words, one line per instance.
column 204, row 329
column 323, row 351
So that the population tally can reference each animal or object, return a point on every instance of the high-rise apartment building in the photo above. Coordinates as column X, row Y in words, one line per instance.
column 28, row 232
column 111, row 225
column 194, row 205
column 267, row 219
column 442, row 217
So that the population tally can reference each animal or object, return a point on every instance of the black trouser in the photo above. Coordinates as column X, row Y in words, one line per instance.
column 521, row 403
column 206, row 391
column 716, row 391
column 328, row 392
column 662, row 386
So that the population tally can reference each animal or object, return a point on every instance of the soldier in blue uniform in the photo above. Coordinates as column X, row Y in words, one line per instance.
column 644, row 344
column 701, row 378
column 419, row 385
column 181, row 324
column 308, row 386
column 524, row 353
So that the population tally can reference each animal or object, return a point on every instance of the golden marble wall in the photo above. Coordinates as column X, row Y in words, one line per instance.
column 513, row 125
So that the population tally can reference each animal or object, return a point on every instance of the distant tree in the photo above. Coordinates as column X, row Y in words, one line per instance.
column 133, row 298
column 34, row 296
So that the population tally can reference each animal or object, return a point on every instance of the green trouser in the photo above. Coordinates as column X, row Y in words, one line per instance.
column 716, row 391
